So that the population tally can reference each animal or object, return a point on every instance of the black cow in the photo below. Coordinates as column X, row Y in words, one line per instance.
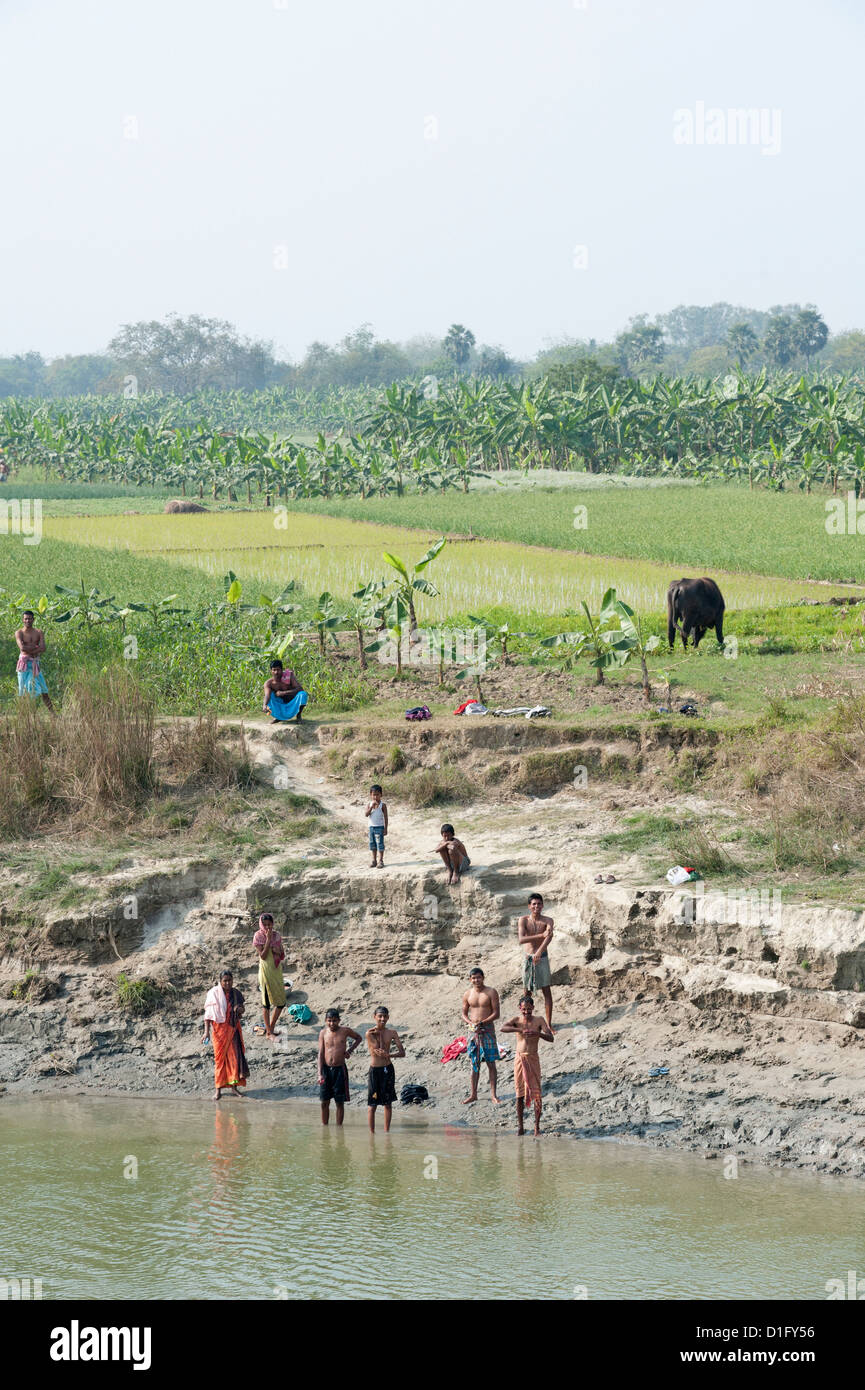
column 693, row 605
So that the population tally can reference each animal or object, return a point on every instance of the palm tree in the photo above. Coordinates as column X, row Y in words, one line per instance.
column 742, row 343
column 457, row 344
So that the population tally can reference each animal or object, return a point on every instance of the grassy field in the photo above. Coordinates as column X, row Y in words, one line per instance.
column 340, row 555
column 683, row 527
column 33, row 570
column 792, row 642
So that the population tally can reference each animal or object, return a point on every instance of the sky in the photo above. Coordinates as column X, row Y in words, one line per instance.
column 530, row 168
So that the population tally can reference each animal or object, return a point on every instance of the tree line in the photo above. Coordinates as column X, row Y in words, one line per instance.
column 183, row 356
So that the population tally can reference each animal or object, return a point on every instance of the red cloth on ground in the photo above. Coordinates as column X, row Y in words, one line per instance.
column 455, row 1049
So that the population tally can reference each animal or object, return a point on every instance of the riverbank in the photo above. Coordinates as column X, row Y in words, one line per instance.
column 756, row 1020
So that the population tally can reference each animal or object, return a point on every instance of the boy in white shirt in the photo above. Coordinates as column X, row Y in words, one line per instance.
column 376, row 811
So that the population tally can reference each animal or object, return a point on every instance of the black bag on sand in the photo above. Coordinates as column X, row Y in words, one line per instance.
column 413, row 1095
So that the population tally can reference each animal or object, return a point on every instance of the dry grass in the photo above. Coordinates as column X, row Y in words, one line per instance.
column 192, row 753
column 104, row 755
column 103, row 760
column 89, row 762
column 812, row 781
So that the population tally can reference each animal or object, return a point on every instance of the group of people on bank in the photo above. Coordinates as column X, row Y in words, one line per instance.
column 284, row 699
column 481, row 1012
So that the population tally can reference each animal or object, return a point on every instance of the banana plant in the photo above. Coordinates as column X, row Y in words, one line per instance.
column 397, row 624
column 630, row 641
column 602, row 654
column 572, row 645
column 369, row 611
column 272, row 609
column 409, row 582
column 157, row 610
column 500, row 633
column 230, row 606
column 325, row 621
column 88, row 606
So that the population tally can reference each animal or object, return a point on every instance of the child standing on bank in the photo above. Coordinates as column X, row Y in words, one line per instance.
column 376, row 812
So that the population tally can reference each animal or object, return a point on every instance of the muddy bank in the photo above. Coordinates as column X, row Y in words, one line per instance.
column 759, row 1019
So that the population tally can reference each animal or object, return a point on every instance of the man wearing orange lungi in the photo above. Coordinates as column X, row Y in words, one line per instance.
column 223, row 1010
column 527, row 1063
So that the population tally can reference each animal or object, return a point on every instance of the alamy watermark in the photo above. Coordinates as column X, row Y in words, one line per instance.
column 845, row 516
column 20, row 1289
column 743, row 907
column 757, row 126
column 433, row 646
column 22, row 517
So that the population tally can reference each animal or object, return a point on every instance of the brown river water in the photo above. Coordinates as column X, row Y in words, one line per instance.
column 158, row 1199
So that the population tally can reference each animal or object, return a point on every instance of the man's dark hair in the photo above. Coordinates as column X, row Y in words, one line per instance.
column 536, row 897
column 448, row 830
column 276, row 664
column 333, row 1013
column 28, row 613
column 226, row 971
column 477, row 971
column 380, row 1009
column 375, row 787
column 527, row 999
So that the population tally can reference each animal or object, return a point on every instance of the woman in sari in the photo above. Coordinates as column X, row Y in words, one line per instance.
column 223, row 1010
column 271, row 954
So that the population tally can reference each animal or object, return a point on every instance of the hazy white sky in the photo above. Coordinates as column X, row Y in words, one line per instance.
column 414, row 163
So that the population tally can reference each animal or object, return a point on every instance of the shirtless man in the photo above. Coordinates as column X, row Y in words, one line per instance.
column 31, row 645
column 284, row 685
column 534, row 933
column 454, row 854
column 480, row 1010
column 527, row 1063
column 336, row 1043
column 381, row 1082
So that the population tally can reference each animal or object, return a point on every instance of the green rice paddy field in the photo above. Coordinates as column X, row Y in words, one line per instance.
column 692, row 528
column 526, row 558
column 527, row 565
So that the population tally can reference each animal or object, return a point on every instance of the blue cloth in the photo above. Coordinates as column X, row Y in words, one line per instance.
column 376, row 838
column 483, row 1043
column 287, row 709
column 29, row 684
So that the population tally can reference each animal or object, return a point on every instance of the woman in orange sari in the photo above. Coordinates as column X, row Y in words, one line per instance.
column 223, row 1010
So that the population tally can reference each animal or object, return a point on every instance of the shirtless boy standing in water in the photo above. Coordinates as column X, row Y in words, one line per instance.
column 480, row 1010
column 381, row 1085
column 527, row 1063
column 336, row 1043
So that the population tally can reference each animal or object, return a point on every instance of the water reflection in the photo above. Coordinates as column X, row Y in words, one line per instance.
column 263, row 1202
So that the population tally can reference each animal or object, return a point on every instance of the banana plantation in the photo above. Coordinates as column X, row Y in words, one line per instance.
column 770, row 430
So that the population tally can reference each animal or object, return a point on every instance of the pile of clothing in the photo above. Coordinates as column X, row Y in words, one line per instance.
column 455, row 1049
column 527, row 711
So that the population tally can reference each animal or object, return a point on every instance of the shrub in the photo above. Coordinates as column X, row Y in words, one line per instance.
column 395, row 759
column 138, row 996
column 194, row 754
column 433, row 786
